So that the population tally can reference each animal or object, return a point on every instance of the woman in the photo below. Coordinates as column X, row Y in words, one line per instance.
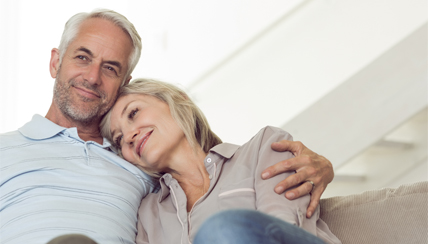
column 155, row 126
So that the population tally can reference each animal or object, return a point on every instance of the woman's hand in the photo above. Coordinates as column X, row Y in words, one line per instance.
column 309, row 167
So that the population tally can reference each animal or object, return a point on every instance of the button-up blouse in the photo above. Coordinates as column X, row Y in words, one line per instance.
column 235, row 182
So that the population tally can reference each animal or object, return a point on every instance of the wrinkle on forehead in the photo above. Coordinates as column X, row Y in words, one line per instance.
column 105, row 39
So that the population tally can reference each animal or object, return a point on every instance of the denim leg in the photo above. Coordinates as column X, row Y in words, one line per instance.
column 72, row 239
column 250, row 227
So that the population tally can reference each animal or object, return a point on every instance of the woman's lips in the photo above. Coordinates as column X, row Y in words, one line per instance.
column 142, row 142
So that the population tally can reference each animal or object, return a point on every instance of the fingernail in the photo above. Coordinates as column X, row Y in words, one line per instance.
column 279, row 189
column 265, row 175
column 291, row 195
column 309, row 214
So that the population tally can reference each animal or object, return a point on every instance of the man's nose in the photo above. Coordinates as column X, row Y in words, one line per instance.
column 93, row 75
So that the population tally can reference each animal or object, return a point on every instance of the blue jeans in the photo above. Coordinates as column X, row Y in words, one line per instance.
column 250, row 227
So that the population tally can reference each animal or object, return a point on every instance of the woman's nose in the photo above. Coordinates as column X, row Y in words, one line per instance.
column 131, row 136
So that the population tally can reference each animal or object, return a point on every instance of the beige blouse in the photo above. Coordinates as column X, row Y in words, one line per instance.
column 235, row 173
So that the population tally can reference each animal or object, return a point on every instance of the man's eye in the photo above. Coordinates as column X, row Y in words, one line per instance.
column 133, row 113
column 111, row 69
column 82, row 57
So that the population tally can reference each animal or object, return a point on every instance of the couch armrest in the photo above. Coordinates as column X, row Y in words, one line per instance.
column 380, row 216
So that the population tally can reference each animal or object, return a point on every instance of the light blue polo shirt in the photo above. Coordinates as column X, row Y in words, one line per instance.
column 53, row 183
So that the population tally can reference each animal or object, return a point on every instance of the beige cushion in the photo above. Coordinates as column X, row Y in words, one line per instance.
column 380, row 216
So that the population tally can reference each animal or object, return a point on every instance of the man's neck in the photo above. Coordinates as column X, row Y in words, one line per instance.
column 86, row 131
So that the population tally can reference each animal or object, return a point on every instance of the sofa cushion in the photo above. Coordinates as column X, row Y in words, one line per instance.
column 380, row 216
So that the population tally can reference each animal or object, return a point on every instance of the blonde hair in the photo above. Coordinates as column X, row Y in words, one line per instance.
column 184, row 111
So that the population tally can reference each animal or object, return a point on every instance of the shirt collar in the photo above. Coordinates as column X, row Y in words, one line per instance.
column 40, row 128
column 165, row 182
column 223, row 150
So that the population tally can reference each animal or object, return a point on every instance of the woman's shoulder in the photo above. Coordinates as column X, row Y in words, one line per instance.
column 273, row 130
column 263, row 140
column 270, row 134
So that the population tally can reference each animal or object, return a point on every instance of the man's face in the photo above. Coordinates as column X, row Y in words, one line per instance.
column 92, row 69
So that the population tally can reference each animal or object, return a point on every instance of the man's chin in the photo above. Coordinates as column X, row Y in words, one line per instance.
column 84, row 117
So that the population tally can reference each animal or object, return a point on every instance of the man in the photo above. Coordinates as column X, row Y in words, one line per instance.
column 57, row 174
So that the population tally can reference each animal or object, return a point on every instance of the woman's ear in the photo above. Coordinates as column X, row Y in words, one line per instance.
column 54, row 63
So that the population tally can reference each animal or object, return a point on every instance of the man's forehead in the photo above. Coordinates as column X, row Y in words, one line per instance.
column 102, row 29
column 98, row 35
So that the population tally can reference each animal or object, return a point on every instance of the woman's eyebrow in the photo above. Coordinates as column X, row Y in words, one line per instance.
column 112, row 133
column 124, row 109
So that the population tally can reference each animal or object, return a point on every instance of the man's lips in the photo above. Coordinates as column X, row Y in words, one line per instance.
column 86, row 92
column 142, row 142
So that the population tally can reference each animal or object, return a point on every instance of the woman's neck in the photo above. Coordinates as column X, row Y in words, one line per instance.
column 189, row 170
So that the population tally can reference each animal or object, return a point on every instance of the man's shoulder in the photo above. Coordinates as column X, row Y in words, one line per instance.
column 11, row 137
column 10, row 134
column 16, row 140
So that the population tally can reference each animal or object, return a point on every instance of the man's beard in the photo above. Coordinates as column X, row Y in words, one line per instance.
column 82, row 114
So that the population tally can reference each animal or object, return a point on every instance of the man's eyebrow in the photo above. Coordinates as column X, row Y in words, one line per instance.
column 84, row 49
column 115, row 63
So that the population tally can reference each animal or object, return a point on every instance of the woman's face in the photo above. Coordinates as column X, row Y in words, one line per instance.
column 145, row 131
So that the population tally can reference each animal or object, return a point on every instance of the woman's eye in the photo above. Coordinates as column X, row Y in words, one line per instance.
column 132, row 113
column 118, row 140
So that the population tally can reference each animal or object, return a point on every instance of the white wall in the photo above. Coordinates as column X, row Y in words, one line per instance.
column 301, row 59
column 181, row 40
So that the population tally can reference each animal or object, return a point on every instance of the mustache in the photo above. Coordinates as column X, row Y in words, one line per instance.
column 88, row 86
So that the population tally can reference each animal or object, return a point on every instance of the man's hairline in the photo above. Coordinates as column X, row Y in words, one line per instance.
column 61, row 57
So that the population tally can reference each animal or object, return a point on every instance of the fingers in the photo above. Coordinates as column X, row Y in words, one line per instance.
column 284, row 166
column 315, row 200
column 303, row 190
column 294, row 180
column 293, row 146
column 300, row 191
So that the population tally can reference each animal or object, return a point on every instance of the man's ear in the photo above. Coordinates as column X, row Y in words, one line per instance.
column 54, row 63
column 128, row 80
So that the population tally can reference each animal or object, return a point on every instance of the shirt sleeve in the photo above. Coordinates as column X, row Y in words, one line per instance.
column 267, row 200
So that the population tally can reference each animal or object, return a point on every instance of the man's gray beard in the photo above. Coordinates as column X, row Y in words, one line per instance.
column 82, row 115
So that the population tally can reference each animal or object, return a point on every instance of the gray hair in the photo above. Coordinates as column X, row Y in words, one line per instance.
column 72, row 27
column 183, row 110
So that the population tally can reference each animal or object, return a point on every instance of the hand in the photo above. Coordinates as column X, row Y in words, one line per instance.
column 308, row 166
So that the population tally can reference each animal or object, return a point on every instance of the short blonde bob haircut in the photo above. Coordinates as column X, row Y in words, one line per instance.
column 183, row 110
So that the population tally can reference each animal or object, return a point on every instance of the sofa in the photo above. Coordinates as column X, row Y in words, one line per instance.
column 388, row 215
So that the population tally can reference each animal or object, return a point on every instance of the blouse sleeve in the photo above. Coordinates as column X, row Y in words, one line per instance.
column 269, row 202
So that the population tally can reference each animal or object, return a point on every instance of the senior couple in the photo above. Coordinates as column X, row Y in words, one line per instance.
column 148, row 168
